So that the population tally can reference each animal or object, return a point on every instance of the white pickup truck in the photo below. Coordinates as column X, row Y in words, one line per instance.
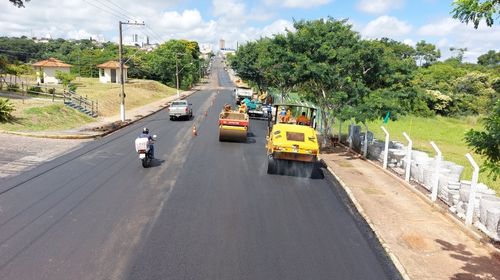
column 180, row 109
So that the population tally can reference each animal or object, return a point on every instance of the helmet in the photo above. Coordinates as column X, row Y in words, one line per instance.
column 145, row 130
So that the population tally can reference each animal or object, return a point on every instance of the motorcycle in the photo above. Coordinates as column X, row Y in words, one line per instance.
column 142, row 147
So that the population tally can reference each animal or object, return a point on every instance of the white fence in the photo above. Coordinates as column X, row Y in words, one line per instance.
column 471, row 201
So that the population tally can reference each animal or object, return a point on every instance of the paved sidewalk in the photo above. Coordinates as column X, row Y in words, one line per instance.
column 420, row 238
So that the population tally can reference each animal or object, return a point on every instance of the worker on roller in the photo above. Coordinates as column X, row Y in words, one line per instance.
column 288, row 115
column 242, row 108
column 302, row 119
column 282, row 115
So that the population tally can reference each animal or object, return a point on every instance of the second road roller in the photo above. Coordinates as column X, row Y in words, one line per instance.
column 233, row 125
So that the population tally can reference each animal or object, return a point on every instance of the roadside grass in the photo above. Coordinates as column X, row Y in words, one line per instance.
column 43, row 115
column 137, row 93
column 447, row 133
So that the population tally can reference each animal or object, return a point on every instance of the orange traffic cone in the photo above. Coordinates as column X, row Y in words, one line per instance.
column 194, row 131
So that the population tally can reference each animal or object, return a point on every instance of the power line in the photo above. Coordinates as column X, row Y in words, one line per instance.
column 114, row 10
column 118, row 6
column 103, row 10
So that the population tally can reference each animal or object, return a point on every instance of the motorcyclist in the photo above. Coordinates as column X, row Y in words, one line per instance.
column 145, row 134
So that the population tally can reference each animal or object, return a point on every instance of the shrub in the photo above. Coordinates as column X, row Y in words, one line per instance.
column 6, row 109
column 35, row 90
column 52, row 90
column 12, row 87
column 72, row 87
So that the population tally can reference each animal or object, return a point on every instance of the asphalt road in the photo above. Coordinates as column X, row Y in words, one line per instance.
column 205, row 210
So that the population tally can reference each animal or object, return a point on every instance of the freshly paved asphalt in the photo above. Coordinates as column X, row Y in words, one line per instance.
column 206, row 210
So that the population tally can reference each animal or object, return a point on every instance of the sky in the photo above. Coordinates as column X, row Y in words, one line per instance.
column 238, row 21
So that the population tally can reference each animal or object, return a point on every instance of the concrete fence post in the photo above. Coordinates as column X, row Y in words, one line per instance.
column 365, row 146
column 408, row 157
column 351, row 132
column 386, row 147
column 472, row 194
column 435, row 179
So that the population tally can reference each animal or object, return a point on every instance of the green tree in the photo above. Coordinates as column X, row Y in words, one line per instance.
column 332, row 66
column 248, row 64
column 459, row 57
column 65, row 79
column 281, row 62
column 426, row 54
column 19, row 3
column 161, row 62
column 491, row 58
column 487, row 142
column 475, row 10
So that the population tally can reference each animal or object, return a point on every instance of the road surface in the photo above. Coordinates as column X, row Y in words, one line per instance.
column 205, row 210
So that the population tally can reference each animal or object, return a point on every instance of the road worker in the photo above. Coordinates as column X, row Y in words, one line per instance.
column 302, row 119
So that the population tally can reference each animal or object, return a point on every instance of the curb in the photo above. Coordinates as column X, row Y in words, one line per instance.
column 399, row 266
column 52, row 136
column 97, row 135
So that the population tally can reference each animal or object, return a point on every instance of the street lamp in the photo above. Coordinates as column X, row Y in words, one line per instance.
column 177, row 71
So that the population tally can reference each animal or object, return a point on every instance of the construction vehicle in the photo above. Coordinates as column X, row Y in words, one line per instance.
column 242, row 91
column 259, row 107
column 233, row 125
column 292, row 145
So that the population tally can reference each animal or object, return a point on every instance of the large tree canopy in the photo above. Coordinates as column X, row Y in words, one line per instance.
column 475, row 11
column 487, row 142
column 19, row 3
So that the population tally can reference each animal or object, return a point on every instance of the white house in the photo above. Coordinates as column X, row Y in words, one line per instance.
column 46, row 70
column 109, row 72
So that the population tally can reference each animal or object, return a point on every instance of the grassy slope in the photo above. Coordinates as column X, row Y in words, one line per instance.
column 137, row 92
column 447, row 133
column 43, row 115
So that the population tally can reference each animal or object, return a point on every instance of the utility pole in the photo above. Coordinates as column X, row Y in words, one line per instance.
column 177, row 75
column 122, row 82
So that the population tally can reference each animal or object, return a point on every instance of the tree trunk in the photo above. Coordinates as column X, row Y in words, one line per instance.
column 326, row 126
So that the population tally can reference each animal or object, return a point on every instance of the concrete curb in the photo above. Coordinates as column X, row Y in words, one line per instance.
column 51, row 136
column 399, row 266
column 96, row 135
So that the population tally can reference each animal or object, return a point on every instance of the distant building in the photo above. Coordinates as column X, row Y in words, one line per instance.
column 205, row 51
column 46, row 70
column 109, row 72
column 149, row 46
column 225, row 52
column 222, row 44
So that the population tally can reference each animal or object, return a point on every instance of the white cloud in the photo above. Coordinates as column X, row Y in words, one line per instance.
column 449, row 32
column 277, row 27
column 443, row 43
column 440, row 28
column 298, row 3
column 379, row 6
column 185, row 20
column 409, row 42
column 386, row 26
column 230, row 10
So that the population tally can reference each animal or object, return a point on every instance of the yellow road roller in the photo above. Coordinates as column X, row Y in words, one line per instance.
column 233, row 126
column 292, row 145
